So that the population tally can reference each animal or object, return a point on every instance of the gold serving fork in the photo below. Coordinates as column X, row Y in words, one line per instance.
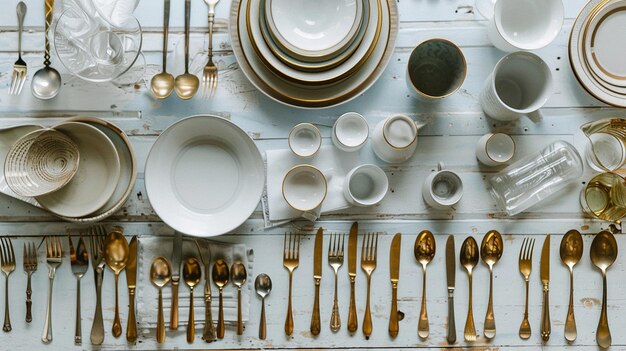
column 291, row 260
column 209, row 76
column 335, row 260
column 54, row 258
column 525, row 267
column 369, row 251
column 7, row 260
column 30, row 266
column 19, row 68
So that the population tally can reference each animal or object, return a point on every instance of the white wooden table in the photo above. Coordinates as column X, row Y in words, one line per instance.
column 454, row 126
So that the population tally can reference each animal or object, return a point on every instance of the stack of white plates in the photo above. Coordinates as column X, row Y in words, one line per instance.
column 313, row 54
column 597, row 49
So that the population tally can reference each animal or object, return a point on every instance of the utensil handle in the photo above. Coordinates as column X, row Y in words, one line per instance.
column 191, row 327
column 545, row 315
column 7, row 318
column 46, row 337
column 451, row 322
column 49, row 10
column 21, row 13
column 187, row 20
column 367, row 318
column 570, row 321
column 131, row 329
column 262, row 327
column 490, row 321
column 239, row 317
column 220, row 318
column 174, row 312
column 315, row 318
column 29, row 302
column 289, row 318
column 208, row 334
column 117, row 325
column 335, row 319
column 470, row 326
column 78, row 334
column 422, row 326
column 394, row 326
column 166, row 30
column 160, row 320
column 97, row 328
column 353, row 323
column 211, row 23
column 603, row 333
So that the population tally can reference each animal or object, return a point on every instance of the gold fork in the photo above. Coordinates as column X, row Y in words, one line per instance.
column 525, row 267
column 7, row 260
column 54, row 258
column 30, row 266
column 209, row 76
column 19, row 68
column 291, row 260
column 335, row 260
column 369, row 251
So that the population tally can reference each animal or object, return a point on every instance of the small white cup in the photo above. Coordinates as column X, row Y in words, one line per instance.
column 305, row 188
column 305, row 139
column 395, row 138
column 525, row 24
column 442, row 189
column 365, row 185
column 495, row 149
column 520, row 84
column 350, row 132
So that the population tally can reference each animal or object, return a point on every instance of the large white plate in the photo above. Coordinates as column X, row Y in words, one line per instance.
column 204, row 176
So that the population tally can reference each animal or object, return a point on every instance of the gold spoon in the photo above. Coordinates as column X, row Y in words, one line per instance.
column 220, row 278
column 160, row 274
column 192, row 272
column 186, row 85
column 238, row 275
column 116, row 252
column 424, row 250
column 603, row 254
column 162, row 84
column 571, row 251
column 490, row 251
column 263, row 286
column 469, row 260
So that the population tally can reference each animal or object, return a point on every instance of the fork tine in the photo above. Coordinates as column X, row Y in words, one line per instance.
column 298, row 248
column 2, row 252
column 13, row 83
column 22, row 81
column 12, row 252
column 59, row 248
column 343, row 238
column 376, row 248
column 24, row 255
column 532, row 248
column 521, row 250
column 285, row 246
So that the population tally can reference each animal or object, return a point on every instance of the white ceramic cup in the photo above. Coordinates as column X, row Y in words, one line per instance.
column 519, row 85
column 442, row 189
column 495, row 149
column 305, row 188
column 525, row 24
column 365, row 185
column 350, row 132
column 305, row 139
column 395, row 138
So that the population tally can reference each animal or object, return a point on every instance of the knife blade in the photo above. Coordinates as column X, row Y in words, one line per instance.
column 353, row 323
column 176, row 259
column 545, row 281
column 394, row 275
column 131, row 282
column 317, row 275
column 450, row 275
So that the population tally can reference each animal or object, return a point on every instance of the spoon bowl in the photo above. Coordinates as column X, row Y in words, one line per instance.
column 186, row 85
column 192, row 273
column 238, row 275
column 116, row 254
column 220, row 277
column 162, row 85
column 424, row 250
column 571, row 250
column 603, row 253
column 160, row 275
column 263, row 286
column 46, row 83
column 491, row 250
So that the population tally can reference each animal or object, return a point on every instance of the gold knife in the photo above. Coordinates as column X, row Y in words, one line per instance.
column 545, row 281
column 450, row 275
column 353, row 323
column 317, row 275
column 394, row 275
column 131, row 282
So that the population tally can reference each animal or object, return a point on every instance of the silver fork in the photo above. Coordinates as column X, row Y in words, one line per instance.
column 30, row 266
column 209, row 76
column 54, row 258
column 97, row 235
column 335, row 260
column 79, row 260
column 208, row 334
column 7, row 260
column 19, row 68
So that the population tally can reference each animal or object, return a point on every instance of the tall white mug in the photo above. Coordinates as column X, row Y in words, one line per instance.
column 395, row 138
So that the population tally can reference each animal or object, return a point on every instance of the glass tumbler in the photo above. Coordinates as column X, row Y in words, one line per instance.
column 536, row 177
column 604, row 197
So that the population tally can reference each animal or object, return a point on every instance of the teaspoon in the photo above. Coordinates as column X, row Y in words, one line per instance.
column 263, row 286
column 491, row 252
column 186, row 85
column 603, row 254
column 47, row 80
column 424, row 250
column 469, row 260
column 238, row 275
column 192, row 272
column 162, row 84
column 220, row 278
column 160, row 275
column 571, row 251
column 116, row 252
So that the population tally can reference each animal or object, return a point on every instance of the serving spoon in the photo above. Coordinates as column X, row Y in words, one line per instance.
column 116, row 252
column 186, row 85
column 424, row 250
column 162, row 84
column 603, row 254
column 571, row 251
column 192, row 272
column 491, row 252
column 160, row 275
column 220, row 278
column 46, row 81
column 469, row 260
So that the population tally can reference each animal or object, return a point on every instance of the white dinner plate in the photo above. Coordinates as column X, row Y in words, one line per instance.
column 313, row 30
column 97, row 176
column 204, row 176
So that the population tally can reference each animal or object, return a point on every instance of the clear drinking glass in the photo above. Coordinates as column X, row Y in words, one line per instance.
column 536, row 177
column 604, row 197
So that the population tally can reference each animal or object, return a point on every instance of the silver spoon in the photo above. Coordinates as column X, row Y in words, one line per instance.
column 263, row 286
column 46, row 81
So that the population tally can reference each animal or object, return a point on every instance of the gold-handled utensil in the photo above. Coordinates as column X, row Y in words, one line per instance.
column 177, row 252
column 451, row 277
column 46, row 82
column 571, row 251
column 116, row 252
column 186, row 84
column 54, row 258
column 208, row 334
column 19, row 68
column 469, row 259
column 335, row 260
column 291, row 261
column 353, row 322
column 263, row 286
column 491, row 250
column 131, row 283
column 525, row 268
column 30, row 267
column 7, row 263
column 220, row 276
column 369, row 249
column 394, row 277
column 160, row 275
column 239, row 274
column 79, row 261
column 317, row 277
column 97, row 236
column 209, row 74
column 424, row 250
column 544, row 272
column 162, row 84
column 603, row 253
column 192, row 274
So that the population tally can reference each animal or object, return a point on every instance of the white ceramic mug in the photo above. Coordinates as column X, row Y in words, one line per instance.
column 350, row 132
column 519, row 85
column 395, row 138
column 305, row 139
column 365, row 185
column 525, row 24
column 443, row 188
column 305, row 188
column 495, row 149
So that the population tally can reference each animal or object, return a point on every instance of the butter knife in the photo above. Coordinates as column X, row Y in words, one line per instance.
column 450, row 275
column 353, row 323
column 176, row 258
column 317, row 275
column 131, row 282
column 545, row 281
column 394, row 275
